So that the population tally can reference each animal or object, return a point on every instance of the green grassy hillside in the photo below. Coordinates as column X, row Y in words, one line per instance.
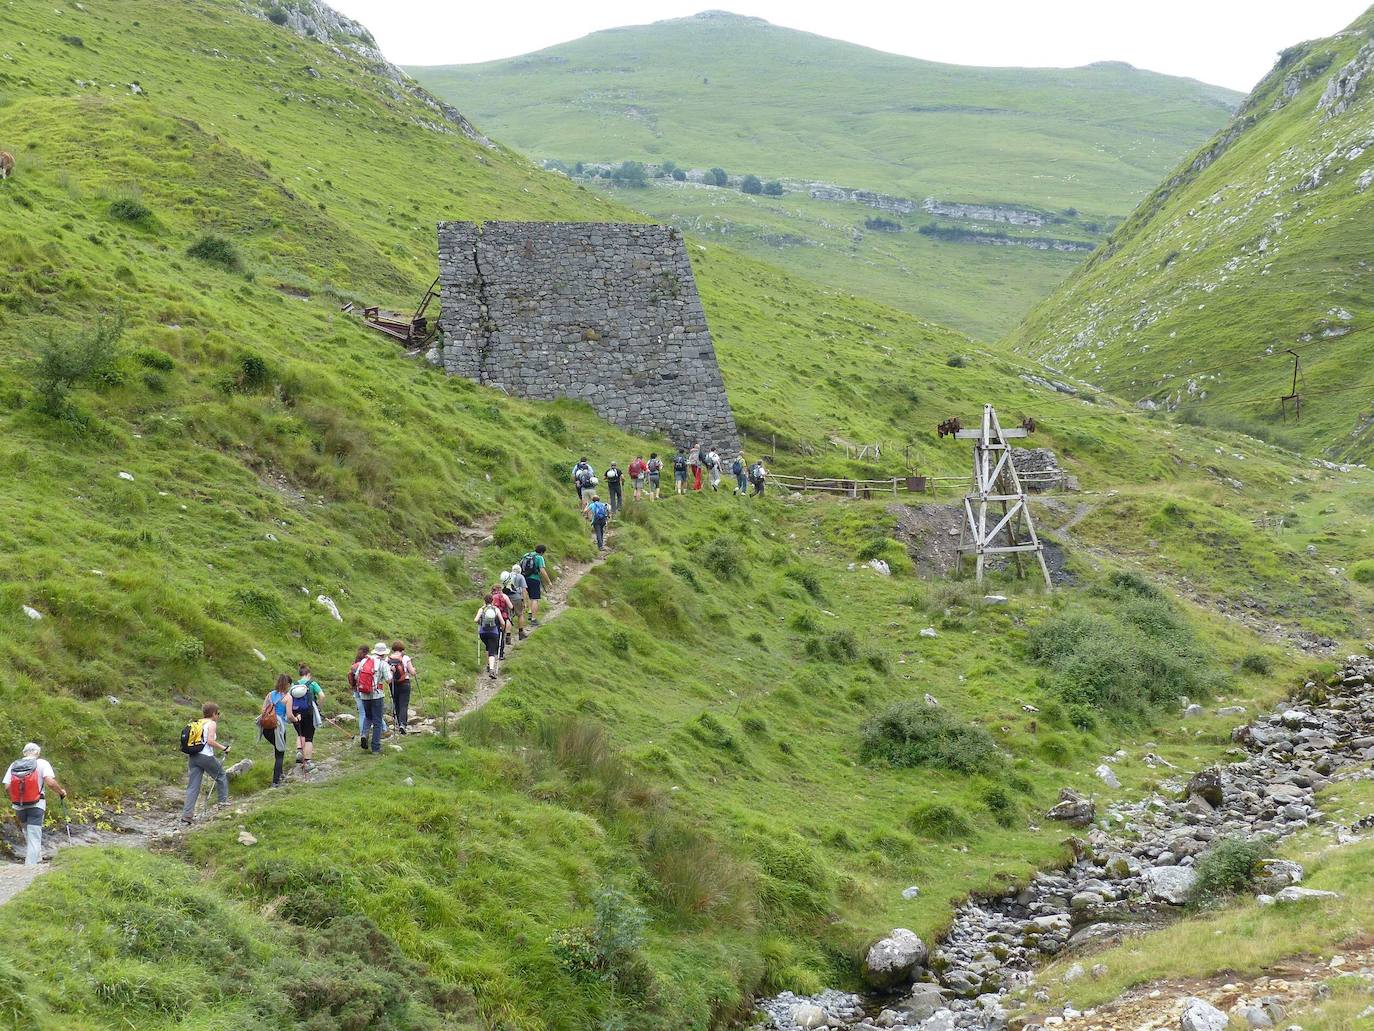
column 1079, row 145
column 674, row 803
column 1254, row 246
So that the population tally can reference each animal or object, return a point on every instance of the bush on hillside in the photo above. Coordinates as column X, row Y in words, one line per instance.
column 836, row 646
column 955, row 361
column 216, row 250
column 630, row 173
column 679, row 176
column 1362, row 572
column 1257, row 663
column 939, row 821
column 130, row 209
column 806, row 579
column 723, row 556
column 277, row 16
column 1136, row 654
column 1227, row 868
column 911, row 733
column 772, row 188
column 751, row 184
column 65, row 362
column 153, row 358
column 717, row 177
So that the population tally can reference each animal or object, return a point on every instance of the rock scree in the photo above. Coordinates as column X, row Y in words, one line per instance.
column 1122, row 879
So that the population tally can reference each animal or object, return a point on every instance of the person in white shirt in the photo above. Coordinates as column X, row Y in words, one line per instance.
column 204, row 761
column 26, row 783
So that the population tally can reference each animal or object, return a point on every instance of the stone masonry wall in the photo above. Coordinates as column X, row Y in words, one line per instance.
column 605, row 313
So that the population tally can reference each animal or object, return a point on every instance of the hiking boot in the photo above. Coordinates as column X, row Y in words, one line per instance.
column 362, row 743
column 522, row 634
column 491, row 673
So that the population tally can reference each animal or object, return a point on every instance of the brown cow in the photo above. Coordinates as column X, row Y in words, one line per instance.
column 6, row 164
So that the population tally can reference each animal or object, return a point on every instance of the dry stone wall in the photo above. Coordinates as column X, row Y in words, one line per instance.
column 605, row 313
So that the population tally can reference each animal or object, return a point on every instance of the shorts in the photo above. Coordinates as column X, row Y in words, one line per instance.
column 492, row 641
column 680, row 477
column 305, row 727
column 639, row 482
column 534, row 588
column 653, row 481
column 517, row 607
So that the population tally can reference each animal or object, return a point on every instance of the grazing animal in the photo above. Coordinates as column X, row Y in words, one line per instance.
column 6, row 164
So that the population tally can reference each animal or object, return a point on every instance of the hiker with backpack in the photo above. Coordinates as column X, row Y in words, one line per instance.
column 638, row 473
column 305, row 714
column 583, row 477
column 535, row 569
column 200, row 741
column 598, row 512
column 514, row 585
column 712, row 463
column 500, row 599
column 276, row 711
column 694, row 460
column 655, row 470
column 373, row 674
column 680, row 471
column 615, row 484
column 353, row 683
column 402, row 675
column 26, row 782
column 740, row 471
column 490, row 626
column 757, row 476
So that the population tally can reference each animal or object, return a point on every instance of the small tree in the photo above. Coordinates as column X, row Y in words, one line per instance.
column 772, row 188
column 679, row 175
column 666, row 169
column 752, row 184
column 630, row 173
column 717, row 177
column 67, row 362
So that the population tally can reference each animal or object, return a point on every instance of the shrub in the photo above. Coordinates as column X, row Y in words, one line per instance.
column 1362, row 572
column 687, row 573
column 939, row 822
column 216, row 250
column 806, row 579
column 751, row 184
column 1001, row 805
column 277, row 16
column 772, row 188
column 912, row 733
column 620, row 643
column 249, row 374
column 836, row 646
column 630, row 173
column 1227, row 868
column 1257, row 663
column 152, row 358
column 64, row 363
column 553, row 427
column 955, row 361
column 129, row 209
column 695, row 876
column 723, row 556
column 717, row 177
column 679, row 175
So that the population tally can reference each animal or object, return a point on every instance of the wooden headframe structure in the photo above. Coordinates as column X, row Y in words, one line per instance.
column 995, row 482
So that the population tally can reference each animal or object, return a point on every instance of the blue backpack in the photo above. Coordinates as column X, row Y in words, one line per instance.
column 599, row 511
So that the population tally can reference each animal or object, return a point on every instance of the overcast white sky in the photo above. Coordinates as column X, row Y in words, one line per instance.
column 1228, row 42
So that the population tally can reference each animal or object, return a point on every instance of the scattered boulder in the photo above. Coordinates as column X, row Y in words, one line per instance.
column 1073, row 808
column 328, row 603
column 1207, row 785
column 239, row 768
column 1201, row 1015
column 911, row 892
column 929, row 632
column 247, row 839
column 924, row 1001
column 1107, row 776
column 994, row 599
column 1276, row 874
column 31, row 612
column 808, row 1017
column 879, row 566
column 932, row 701
column 894, row 959
column 1192, row 711
column 1170, row 884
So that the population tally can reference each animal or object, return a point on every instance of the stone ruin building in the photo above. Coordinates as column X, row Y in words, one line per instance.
column 605, row 313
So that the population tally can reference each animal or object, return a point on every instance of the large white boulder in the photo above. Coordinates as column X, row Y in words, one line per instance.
column 1170, row 883
column 892, row 960
column 1201, row 1015
column 809, row 1017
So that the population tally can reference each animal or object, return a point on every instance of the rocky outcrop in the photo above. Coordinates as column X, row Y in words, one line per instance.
column 983, row 212
column 890, row 961
column 317, row 21
column 1074, row 809
column 1345, row 84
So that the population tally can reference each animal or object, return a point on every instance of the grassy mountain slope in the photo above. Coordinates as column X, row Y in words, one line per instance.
column 688, row 735
column 805, row 109
column 1255, row 245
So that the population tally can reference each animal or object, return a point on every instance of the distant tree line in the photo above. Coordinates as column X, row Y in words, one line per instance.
column 636, row 174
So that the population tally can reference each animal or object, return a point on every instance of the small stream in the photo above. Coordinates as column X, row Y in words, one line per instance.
column 1132, row 868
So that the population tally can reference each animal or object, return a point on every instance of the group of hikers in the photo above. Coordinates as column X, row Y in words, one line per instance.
column 695, row 464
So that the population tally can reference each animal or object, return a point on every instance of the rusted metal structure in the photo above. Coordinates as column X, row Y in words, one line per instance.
column 414, row 330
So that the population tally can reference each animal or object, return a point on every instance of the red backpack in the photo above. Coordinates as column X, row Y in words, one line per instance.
column 26, row 786
column 368, row 675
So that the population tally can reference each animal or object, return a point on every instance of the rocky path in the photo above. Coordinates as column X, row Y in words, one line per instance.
column 145, row 822
column 1133, row 875
column 554, row 601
